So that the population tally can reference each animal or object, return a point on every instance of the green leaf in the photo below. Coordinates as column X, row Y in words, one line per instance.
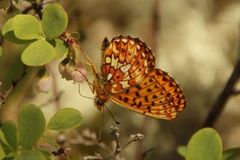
column 54, row 20
column 8, row 33
column 30, row 155
column 7, row 27
column 10, row 156
column 38, row 53
column 182, row 150
column 9, row 130
column 27, row 27
column 2, row 137
column 48, row 155
column 31, row 125
column 64, row 119
column 1, row 51
column 206, row 144
column 2, row 153
column 6, row 149
column 231, row 154
column 61, row 48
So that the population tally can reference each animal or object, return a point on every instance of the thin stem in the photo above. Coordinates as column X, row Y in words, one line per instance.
column 219, row 105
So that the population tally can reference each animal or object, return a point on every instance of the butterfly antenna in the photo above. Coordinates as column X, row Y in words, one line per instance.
column 89, row 62
column 79, row 92
column 110, row 113
column 101, row 124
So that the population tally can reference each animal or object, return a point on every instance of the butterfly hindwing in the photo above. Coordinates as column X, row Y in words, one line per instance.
column 158, row 95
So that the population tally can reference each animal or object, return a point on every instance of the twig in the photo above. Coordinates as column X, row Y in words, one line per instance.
column 115, row 134
column 228, row 90
column 118, row 148
column 235, row 92
column 147, row 152
column 133, row 138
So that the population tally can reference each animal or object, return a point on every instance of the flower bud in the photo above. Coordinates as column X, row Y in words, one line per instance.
column 44, row 84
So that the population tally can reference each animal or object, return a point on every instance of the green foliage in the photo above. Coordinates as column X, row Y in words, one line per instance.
column 27, row 27
column 8, row 33
column 1, row 51
column 28, row 30
column 54, row 20
column 182, row 150
column 64, row 119
column 207, row 144
column 41, row 42
column 4, row 149
column 61, row 49
column 30, row 155
column 9, row 130
column 8, row 27
column 2, row 154
column 231, row 154
column 2, row 137
column 38, row 53
column 31, row 125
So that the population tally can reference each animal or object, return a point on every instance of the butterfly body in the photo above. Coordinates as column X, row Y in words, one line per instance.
column 130, row 79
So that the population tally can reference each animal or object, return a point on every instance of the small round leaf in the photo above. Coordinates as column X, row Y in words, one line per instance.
column 27, row 27
column 7, row 27
column 61, row 48
column 31, row 125
column 38, row 53
column 182, row 150
column 54, row 20
column 9, row 35
column 30, row 155
column 64, row 119
column 9, row 130
column 206, row 144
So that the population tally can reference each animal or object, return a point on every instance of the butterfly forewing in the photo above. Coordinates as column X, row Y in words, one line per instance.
column 126, row 61
column 133, row 83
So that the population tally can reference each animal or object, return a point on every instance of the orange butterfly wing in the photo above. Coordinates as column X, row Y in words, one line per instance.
column 133, row 83
column 158, row 95
column 126, row 61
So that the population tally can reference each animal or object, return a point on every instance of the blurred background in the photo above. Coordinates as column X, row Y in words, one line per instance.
column 195, row 41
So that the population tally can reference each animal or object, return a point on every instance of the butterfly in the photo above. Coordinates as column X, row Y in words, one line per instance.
column 130, row 79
